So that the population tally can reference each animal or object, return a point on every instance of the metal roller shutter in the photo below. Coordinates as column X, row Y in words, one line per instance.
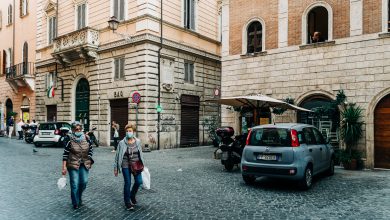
column 189, row 121
column 119, row 113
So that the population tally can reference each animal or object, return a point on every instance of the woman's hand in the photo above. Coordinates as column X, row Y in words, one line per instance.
column 63, row 171
column 115, row 172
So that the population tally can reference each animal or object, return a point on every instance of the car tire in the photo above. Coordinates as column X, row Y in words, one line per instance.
column 330, row 171
column 249, row 179
column 37, row 145
column 307, row 179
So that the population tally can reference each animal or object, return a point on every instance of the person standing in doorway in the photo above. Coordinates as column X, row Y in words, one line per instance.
column 115, row 126
column 129, row 160
column 19, row 129
column 77, row 160
column 10, row 126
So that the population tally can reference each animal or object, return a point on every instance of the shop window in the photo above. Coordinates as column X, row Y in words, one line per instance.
column 119, row 68
column 189, row 14
column 317, row 25
column 119, row 9
column 52, row 29
column 189, row 72
column 23, row 8
column 81, row 16
column 255, row 37
column 9, row 15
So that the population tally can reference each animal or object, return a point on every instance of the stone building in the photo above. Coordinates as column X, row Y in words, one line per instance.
column 95, row 71
column 17, row 56
column 268, row 47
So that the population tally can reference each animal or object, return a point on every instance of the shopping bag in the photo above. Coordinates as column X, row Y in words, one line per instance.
column 145, row 178
column 61, row 183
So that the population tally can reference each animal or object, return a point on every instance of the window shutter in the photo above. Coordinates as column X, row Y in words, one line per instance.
column 116, row 69
column 192, row 12
column 185, row 14
column 122, row 10
column 191, row 73
column 116, row 13
column 186, row 72
column 78, row 16
column 83, row 16
column 122, row 72
column 49, row 28
column 54, row 31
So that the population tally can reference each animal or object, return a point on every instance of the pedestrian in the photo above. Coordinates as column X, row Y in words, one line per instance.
column 33, row 122
column 317, row 37
column 19, row 128
column 10, row 126
column 77, row 160
column 129, row 160
column 115, row 126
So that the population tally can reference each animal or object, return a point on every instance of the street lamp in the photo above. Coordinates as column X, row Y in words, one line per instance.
column 113, row 23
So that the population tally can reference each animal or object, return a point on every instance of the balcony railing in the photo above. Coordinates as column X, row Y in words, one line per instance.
column 86, row 37
column 20, row 70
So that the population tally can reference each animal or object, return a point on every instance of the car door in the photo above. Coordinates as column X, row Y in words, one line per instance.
column 324, row 150
column 312, row 148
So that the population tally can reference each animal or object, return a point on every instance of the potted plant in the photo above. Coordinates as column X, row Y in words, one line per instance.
column 351, row 130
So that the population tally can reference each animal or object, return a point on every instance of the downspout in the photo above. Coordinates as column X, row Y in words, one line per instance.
column 57, row 18
column 13, row 36
column 159, row 75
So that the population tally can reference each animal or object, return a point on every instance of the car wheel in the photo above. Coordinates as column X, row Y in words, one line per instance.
column 229, row 166
column 37, row 145
column 307, row 180
column 248, row 179
column 330, row 170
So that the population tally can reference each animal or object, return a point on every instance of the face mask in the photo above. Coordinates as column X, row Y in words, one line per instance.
column 129, row 134
column 78, row 134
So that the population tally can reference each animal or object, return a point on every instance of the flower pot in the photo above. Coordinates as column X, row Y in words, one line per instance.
column 351, row 165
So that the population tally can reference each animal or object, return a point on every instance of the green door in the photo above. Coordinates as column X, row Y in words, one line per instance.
column 82, row 103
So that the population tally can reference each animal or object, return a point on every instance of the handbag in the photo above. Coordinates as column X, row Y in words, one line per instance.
column 137, row 167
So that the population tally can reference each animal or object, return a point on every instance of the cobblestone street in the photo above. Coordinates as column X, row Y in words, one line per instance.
column 186, row 184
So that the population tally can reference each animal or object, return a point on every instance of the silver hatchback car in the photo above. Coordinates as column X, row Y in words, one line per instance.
column 291, row 151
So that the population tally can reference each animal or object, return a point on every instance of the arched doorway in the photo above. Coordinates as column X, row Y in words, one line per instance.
column 82, row 103
column 9, row 108
column 382, row 134
column 325, row 117
column 25, row 109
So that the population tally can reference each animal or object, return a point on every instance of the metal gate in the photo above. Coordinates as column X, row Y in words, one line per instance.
column 82, row 103
column 189, row 121
column 119, row 113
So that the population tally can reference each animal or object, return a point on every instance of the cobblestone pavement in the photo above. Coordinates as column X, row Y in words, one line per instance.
column 202, row 190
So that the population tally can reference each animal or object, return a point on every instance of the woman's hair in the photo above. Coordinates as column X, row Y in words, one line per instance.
column 76, row 124
column 132, row 126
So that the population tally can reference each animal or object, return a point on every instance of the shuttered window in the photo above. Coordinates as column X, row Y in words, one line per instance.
column 119, row 68
column 81, row 16
column 189, row 72
column 52, row 32
column 119, row 9
column 23, row 8
column 50, row 79
column 9, row 14
column 189, row 14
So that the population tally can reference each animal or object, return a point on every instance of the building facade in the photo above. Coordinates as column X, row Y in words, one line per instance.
column 89, row 73
column 17, row 57
column 272, row 49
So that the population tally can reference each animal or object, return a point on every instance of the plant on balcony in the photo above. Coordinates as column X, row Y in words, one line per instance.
column 280, row 111
column 12, row 114
column 351, row 130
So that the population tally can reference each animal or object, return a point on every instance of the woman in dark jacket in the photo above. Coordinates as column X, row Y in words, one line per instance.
column 129, row 152
column 77, row 160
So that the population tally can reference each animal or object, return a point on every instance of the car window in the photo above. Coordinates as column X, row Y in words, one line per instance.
column 318, row 136
column 270, row 137
column 309, row 136
column 300, row 137
column 46, row 127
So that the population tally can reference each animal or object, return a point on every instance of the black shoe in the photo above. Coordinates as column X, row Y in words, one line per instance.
column 133, row 201
column 80, row 202
column 75, row 207
column 129, row 206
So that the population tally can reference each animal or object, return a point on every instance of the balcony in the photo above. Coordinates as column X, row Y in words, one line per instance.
column 80, row 44
column 21, row 75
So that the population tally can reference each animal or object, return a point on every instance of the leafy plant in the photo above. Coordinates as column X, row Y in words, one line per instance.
column 12, row 114
column 351, row 129
column 345, row 157
column 280, row 111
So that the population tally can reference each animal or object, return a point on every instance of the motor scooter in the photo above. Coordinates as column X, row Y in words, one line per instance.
column 92, row 137
column 29, row 132
column 231, row 147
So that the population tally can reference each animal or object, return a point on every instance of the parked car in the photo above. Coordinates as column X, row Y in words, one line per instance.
column 49, row 133
column 290, row 151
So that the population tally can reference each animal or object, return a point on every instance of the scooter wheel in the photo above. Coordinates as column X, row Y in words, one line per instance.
column 229, row 166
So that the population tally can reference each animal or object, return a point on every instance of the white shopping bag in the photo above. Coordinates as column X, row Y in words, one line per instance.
column 61, row 183
column 145, row 178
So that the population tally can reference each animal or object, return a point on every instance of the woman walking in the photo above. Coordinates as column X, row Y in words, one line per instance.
column 77, row 160
column 129, row 160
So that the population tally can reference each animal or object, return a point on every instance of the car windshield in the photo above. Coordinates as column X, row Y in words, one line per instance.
column 46, row 127
column 270, row 137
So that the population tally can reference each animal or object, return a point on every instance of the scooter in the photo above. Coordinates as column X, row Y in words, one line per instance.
column 92, row 137
column 29, row 132
column 231, row 148
column 64, row 139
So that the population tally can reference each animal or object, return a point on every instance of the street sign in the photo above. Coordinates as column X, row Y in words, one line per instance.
column 136, row 97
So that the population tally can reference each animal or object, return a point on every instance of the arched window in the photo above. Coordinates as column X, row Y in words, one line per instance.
column 254, row 37
column 317, row 25
column 25, row 57
column 9, row 14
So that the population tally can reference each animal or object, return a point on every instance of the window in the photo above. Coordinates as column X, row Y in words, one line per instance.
column 189, row 73
column 51, row 79
column 309, row 136
column 388, row 16
column 9, row 15
column 317, row 25
column 119, row 9
column 271, row 137
column 318, row 136
column 23, row 8
column 189, row 14
column 255, row 35
column 119, row 68
column 25, row 58
column 81, row 16
column 52, row 29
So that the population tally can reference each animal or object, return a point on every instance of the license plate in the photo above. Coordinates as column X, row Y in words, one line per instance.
column 46, row 133
column 266, row 157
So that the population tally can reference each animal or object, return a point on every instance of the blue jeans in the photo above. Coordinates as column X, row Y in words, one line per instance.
column 78, row 183
column 127, row 178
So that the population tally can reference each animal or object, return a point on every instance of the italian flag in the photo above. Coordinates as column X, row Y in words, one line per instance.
column 50, row 92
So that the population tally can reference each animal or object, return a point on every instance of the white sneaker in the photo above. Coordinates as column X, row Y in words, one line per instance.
column 113, row 151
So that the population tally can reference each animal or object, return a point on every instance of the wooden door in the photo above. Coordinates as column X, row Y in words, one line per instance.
column 82, row 103
column 119, row 113
column 382, row 134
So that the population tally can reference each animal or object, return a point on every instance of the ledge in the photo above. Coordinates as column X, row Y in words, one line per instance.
column 384, row 35
column 315, row 45
column 262, row 53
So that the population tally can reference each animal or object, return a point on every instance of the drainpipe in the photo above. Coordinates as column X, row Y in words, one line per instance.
column 159, row 76
column 57, row 18
column 13, row 36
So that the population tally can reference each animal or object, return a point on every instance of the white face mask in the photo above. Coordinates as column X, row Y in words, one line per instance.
column 129, row 134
